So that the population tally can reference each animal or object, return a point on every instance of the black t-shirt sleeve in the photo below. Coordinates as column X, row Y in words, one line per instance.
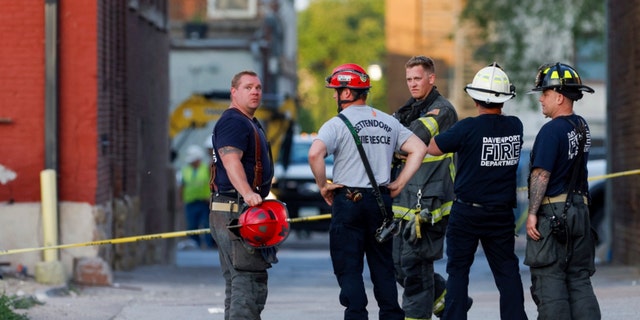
column 451, row 140
column 233, row 132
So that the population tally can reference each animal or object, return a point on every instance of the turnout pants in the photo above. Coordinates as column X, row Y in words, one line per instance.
column 243, row 268
column 561, row 267
column 414, row 268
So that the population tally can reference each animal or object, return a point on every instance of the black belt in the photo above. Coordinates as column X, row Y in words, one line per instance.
column 471, row 204
column 227, row 193
column 485, row 206
column 383, row 190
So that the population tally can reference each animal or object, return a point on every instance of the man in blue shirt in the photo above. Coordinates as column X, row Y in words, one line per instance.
column 560, row 243
column 243, row 173
column 488, row 150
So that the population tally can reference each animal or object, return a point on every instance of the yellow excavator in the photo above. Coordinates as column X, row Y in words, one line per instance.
column 200, row 109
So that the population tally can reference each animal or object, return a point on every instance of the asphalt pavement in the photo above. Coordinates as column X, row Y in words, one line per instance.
column 301, row 286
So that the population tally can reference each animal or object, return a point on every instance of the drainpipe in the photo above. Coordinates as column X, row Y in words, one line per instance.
column 51, row 84
column 51, row 270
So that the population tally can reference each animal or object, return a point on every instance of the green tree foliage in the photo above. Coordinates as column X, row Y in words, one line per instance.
column 522, row 35
column 331, row 33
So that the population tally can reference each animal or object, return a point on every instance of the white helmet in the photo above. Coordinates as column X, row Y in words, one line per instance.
column 193, row 153
column 491, row 85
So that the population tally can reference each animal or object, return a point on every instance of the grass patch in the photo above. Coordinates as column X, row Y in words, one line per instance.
column 10, row 303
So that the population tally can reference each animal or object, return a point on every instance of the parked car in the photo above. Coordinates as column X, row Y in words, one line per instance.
column 295, row 185
column 597, row 210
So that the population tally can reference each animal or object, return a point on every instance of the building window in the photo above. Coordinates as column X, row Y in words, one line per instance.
column 243, row 9
column 591, row 57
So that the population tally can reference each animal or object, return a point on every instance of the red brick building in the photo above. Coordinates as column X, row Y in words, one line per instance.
column 414, row 27
column 84, row 91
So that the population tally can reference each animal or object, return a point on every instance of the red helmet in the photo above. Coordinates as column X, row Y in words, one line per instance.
column 350, row 76
column 265, row 225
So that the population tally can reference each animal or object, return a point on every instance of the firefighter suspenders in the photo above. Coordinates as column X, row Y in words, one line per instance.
column 257, row 169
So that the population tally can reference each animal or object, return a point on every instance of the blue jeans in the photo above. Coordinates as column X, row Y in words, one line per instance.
column 469, row 225
column 197, row 217
column 351, row 237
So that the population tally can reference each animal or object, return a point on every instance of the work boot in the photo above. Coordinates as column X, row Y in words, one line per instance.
column 440, row 290
column 440, row 308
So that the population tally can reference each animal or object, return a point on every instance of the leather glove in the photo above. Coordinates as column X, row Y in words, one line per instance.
column 425, row 216
column 412, row 229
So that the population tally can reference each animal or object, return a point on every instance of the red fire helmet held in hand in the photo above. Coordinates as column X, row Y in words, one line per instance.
column 265, row 225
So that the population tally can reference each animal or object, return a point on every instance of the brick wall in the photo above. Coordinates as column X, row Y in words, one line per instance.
column 147, row 101
column 133, row 127
column 186, row 10
column 22, row 97
column 112, row 118
column 623, row 114
column 77, row 110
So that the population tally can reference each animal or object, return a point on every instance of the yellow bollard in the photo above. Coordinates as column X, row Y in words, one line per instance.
column 49, row 196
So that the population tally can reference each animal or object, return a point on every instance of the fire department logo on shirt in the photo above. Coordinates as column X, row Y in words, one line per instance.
column 574, row 143
column 500, row 151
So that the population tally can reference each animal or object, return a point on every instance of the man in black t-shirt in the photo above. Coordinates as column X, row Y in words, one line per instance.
column 488, row 151
column 243, row 172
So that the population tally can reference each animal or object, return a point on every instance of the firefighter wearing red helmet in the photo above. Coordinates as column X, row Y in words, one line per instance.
column 357, row 211
column 350, row 76
column 560, row 242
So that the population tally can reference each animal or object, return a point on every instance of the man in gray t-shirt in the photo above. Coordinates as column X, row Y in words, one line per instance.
column 355, row 212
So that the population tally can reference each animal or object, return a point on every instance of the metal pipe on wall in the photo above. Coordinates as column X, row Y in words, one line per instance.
column 48, row 189
column 49, row 194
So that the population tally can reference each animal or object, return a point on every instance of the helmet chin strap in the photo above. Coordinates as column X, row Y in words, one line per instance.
column 341, row 102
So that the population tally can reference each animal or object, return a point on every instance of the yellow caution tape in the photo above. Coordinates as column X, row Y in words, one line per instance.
column 111, row 241
column 144, row 237
column 601, row 177
column 614, row 175
column 310, row 218
column 523, row 216
column 206, row 230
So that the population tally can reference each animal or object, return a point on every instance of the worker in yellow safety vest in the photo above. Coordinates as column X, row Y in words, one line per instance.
column 195, row 192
